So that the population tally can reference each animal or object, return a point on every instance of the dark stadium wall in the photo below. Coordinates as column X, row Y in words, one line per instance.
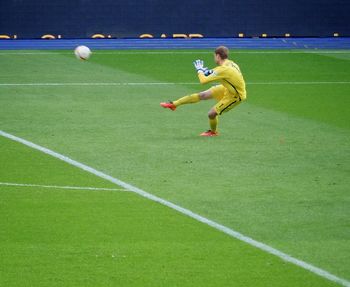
column 131, row 19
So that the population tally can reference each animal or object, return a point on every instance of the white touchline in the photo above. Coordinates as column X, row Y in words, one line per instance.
column 96, row 84
column 167, row 83
column 229, row 231
column 61, row 187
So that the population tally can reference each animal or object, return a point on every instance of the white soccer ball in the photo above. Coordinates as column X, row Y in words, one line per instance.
column 82, row 52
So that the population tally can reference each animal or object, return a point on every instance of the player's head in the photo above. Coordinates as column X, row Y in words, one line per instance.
column 220, row 54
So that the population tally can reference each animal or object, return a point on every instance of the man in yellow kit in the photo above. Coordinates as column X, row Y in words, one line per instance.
column 229, row 94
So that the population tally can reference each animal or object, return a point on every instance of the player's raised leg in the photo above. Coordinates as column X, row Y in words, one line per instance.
column 189, row 99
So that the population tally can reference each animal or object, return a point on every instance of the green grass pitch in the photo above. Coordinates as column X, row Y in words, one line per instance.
column 278, row 172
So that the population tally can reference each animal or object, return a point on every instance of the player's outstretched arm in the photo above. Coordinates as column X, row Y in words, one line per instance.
column 203, row 72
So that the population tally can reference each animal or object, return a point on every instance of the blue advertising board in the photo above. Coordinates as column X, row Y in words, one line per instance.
column 25, row 19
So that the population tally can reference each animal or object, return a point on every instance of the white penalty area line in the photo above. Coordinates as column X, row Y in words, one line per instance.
column 168, row 83
column 61, row 187
column 323, row 273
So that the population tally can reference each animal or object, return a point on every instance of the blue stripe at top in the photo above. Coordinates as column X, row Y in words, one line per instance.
column 204, row 43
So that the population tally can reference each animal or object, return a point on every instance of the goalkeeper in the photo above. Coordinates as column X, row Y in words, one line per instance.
column 228, row 94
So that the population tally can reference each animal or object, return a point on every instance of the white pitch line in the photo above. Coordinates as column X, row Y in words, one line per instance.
column 288, row 258
column 169, row 83
column 61, row 187
column 96, row 84
column 300, row 83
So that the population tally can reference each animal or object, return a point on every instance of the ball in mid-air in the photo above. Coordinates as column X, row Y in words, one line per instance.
column 82, row 52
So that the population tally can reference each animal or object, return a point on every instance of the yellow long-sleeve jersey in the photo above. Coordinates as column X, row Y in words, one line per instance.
column 229, row 75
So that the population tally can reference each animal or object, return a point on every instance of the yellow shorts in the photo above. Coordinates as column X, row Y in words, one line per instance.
column 226, row 100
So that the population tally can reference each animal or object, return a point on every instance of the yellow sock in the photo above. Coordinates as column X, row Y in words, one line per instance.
column 213, row 123
column 190, row 99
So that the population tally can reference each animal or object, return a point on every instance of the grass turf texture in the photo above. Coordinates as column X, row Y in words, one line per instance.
column 106, row 238
column 278, row 172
